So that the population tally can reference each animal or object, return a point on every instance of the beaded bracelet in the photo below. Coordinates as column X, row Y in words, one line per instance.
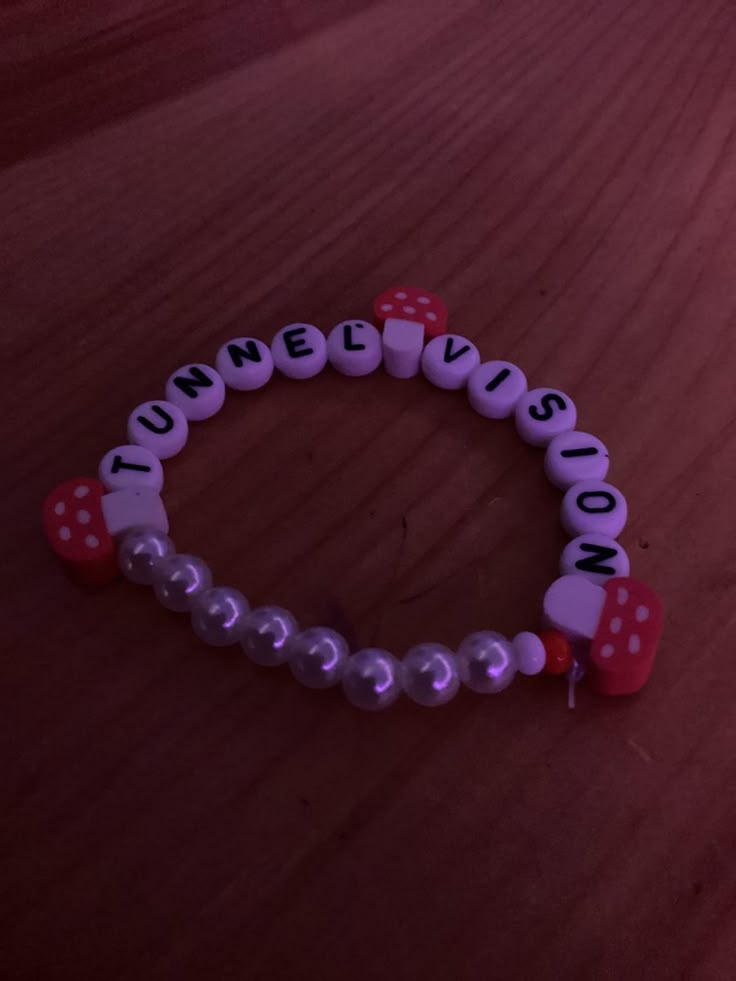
column 597, row 620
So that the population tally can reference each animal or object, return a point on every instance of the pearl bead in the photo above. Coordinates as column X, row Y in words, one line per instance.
column 140, row 552
column 265, row 633
column 530, row 653
column 486, row 662
column 317, row 657
column 372, row 679
column 179, row 580
column 430, row 674
column 217, row 615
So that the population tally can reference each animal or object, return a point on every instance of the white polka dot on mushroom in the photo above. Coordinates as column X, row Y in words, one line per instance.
column 388, row 307
column 410, row 309
column 431, row 316
column 634, row 644
column 400, row 296
column 607, row 650
column 91, row 541
column 424, row 299
column 622, row 595
column 84, row 517
column 59, row 507
column 65, row 533
column 82, row 491
column 615, row 625
column 642, row 613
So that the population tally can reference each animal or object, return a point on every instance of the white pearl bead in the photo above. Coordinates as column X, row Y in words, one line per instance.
column 448, row 361
column 371, row 679
column 245, row 364
column 354, row 348
column 265, row 635
column 317, row 657
column 160, row 427
column 543, row 414
column 594, row 507
column 299, row 351
column 198, row 390
column 495, row 387
column 218, row 614
column 575, row 456
column 131, row 466
column 430, row 674
column 596, row 557
column 140, row 553
column 530, row 653
column 179, row 580
column 486, row 662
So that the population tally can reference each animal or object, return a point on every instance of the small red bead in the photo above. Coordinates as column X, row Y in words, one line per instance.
column 559, row 655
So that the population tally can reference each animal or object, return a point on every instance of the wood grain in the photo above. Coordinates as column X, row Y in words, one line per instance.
column 177, row 173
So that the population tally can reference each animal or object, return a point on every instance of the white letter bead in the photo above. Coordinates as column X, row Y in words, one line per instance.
column 495, row 387
column 299, row 351
column 575, row 456
column 245, row 363
column 574, row 606
column 160, row 427
column 131, row 466
column 403, row 343
column 354, row 348
column 595, row 557
column 447, row 361
column 594, row 506
column 543, row 414
column 129, row 508
column 198, row 390
column 530, row 653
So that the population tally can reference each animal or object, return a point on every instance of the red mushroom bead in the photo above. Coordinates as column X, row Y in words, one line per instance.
column 412, row 304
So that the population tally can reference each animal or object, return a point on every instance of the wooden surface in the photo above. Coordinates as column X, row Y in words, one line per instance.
column 178, row 173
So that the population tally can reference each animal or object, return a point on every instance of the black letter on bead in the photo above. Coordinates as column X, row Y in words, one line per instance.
column 296, row 345
column 347, row 338
column 118, row 464
column 495, row 382
column 608, row 498
column 549, row 401
column 583, row 451
column 248, row 352
column 151, row 427
column 594, row 562
column 449, row 356
column 189, row 386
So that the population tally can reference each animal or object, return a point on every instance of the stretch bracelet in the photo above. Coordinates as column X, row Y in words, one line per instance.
column 597, row 621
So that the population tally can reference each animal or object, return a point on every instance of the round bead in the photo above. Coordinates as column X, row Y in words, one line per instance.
column 160, row 427
column 317, row 657
column 596, row 557
column 486, row 662
column 543, row 414
column 530, row 653
column 179, row 581
column 218, row 614
column 354, row 348
column 198, row 390
column 299, row 351
column 245, row 364
column 593, row 506
column 575, row 456
column 131, row 466
column 265, row 634
column 558, row 657
column 448, row 361
column 371, row 679
column 140, row 553
column 429, row 674
column 495, row 387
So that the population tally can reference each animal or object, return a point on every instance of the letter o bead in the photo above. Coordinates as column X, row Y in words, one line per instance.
column 543, row 414
column 299, row 351
column 160, row 427
column 594, row 507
